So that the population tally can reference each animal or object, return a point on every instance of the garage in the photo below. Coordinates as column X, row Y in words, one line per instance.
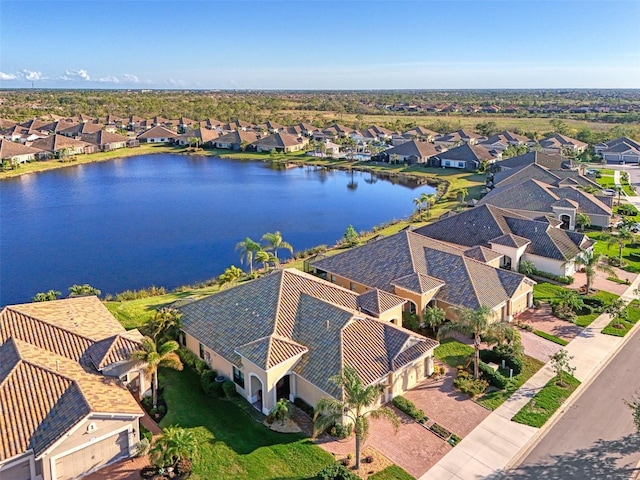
column 92, row 456
column 20, row 471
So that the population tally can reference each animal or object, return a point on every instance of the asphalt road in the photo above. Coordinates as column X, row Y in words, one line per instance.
column 595, row 438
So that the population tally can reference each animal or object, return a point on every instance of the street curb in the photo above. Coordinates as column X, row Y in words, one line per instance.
column 539, row 435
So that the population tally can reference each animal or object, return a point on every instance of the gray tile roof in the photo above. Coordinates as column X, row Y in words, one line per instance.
column 417, row 148
column 377, row 301
column 482, row 254
column 289, row 313
column 418, row 283
column 552, row 162
column 482, row 224
column 510, row 240
column 538, row 196
column 468, row 283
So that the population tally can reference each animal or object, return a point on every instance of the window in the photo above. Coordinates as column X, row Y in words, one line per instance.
column 182, row 339
column 201, row 351
column 352, row 286
column 333, row 279
column 238, row 377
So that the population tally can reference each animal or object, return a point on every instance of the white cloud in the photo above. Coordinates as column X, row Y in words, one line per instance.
column 109, row 79
column 130, row 78
column 7, row 76
column 32, row 75
column 71, row 75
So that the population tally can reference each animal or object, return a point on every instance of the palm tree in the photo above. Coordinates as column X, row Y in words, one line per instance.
column 46, row 296
column 429, row 199
column 166, row 324
column 623, row 237
column 83, row 290
column 462, row 194
column 265, row 258
column 230, row 275
column 275, row 242
column 591, row 262
column 583, row 221
column 176, row 444
column 432, row 317
column 418, row 203
column 152, row 357
column 476, row 324
column 248, row 248
column 355, row 407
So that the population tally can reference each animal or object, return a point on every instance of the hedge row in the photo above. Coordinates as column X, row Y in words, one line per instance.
column 492, row 376
column 497, row 354
column 408, row 407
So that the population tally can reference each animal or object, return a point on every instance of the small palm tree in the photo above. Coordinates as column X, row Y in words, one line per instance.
column 46, row 296
column 620, row 240
column 231, row 275
column 175, row 444
column 432, row 317
column 583, row 221
column 266, row 258
column 355, row 407
column 429, row 199
column 83, row 290
column 591, row 262
column 275, row 242
column 153, row 357
column 462, row 194
column 248, row 249
column 476, row 324
column 418, row 203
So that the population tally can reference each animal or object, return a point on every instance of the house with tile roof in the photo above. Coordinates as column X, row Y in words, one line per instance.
column 280, row 142
column 286, row 334
column 550, row 162
column 429, row 272
column 534, row 198
column 205, row 136
column 157, row 134
column 235, row 140
column 16, row 152
column 108, row 141
column 465, row 156
column 57, row 146
column 536, row 171
column 501, row 141
column 421, row 133
column 557, row 144
column 457, row 138
column 620, row 150
column 411, row 152
column 65, row 409
column 515, row 236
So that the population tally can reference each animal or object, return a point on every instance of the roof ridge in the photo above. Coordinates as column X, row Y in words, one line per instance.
column 53, row 325
column 555, row 243
column 473, row 285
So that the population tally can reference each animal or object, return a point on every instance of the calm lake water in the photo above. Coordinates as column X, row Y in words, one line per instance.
column 172, row 219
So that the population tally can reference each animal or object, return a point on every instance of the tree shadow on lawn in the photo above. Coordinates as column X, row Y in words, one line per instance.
column 603, row 459
column 227, row 423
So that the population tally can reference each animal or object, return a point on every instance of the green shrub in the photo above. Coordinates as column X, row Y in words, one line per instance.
column 144, row 433
column 503, row 352
column 201, row 366
column 340, row 431
column 304, row 406
column 440, row 431
column 467, row 384
column 454, row 440
column 208, row 383
column 408, row 407
column 564, row 280
column 627, row 210
column 563, row 312
column 229, row 388
column 335, row 471
column 187, row 357
column 494, row 377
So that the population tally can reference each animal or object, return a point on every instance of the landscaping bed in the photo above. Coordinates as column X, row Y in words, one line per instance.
column 544, row 404
column 626, row 324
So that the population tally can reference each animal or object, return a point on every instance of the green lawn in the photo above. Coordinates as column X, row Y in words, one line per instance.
column 633, row 315
column 547, row 292
column 453, row 352
column 632, row 265
column 232, row 445
column 543, row 405
column 392, row 473
column 550, row 337
column 606, row 171
column 493, row 400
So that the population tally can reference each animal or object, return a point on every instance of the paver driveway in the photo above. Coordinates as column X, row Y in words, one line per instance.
column 543, row 320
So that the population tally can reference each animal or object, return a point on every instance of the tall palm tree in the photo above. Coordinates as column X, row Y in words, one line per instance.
column 476, row 324
column 418, row 203
column 266, row 258
column 275, row 242
column 592, row 262
column 248, row 249
column 462, row 194
column 429, row 199
column 166, row 324
column 355, row 407
column 623, row 237
column 153, row 357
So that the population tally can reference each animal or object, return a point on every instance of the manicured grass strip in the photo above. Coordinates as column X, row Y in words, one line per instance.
column 552, row 338
column 493, row 400
column 546, row 292
column 546, row 402
column 631, row 264
column 586, row 320
column 231, row 444
column 606, row 171
column 453, row 352
column 392, row 472
column 619, row 280
column 633, row 315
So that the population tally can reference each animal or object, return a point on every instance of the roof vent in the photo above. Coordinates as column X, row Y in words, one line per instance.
column 328, row 324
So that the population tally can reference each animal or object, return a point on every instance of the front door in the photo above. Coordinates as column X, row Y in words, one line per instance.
column 283, row 388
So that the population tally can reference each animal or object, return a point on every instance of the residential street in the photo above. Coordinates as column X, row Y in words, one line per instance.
column 595, row 438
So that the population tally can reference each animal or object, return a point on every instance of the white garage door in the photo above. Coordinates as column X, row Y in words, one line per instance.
column 93, row 456
column 17, row 472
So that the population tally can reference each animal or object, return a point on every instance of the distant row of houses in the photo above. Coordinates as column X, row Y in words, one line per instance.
column 58, row 137
column 506, row 109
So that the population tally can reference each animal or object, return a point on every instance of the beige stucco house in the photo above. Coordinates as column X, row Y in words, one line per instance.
column 285, row 334
column 65, row 409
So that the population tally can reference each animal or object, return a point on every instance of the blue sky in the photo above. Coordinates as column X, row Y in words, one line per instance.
column 320, row 44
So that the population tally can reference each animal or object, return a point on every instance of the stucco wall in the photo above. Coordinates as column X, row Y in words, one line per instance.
column 550, row 265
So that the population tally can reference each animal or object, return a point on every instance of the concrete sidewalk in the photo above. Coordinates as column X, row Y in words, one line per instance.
column 497, row 441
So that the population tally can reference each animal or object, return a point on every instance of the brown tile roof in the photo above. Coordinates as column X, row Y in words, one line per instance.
column 278, row 316
column 376, row 301
column 279, row 140
column 103, row 138
column 157, row 132
column 510, row 240
column 418, row 282
column 82, row 128
column 43, row 395
column 113, row 350
column 9, row 149
column 420, row 149
column 55, row 142
column 482, row 254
